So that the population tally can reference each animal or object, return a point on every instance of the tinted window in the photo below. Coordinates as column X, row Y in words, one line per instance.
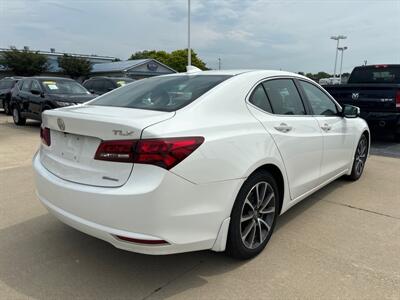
column 98, row 85
column 25, row 85
column 259, row 99
column 375, row 74
column 167, row 93
column 88, row 84
column 36, row 86
column 284, row 97
column 321, row 104
column 108, row 85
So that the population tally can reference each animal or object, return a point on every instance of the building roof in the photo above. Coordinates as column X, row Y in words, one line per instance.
column 123, row 66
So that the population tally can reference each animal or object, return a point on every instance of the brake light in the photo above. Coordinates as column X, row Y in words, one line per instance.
column 120, row 151
column 398, row 99
column 45, row 135
column 165, row 153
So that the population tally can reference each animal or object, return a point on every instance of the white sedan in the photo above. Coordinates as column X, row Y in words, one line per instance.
column 197, row 160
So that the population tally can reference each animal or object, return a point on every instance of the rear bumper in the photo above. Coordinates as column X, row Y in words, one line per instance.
column 382, row 119
column 153, row 204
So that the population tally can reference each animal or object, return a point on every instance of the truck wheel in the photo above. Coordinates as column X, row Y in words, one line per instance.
column 18, row 120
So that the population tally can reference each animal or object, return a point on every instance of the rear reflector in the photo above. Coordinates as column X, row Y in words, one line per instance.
column 398, row 99
column 140, row 241
column 165, row 153
column 45, row 135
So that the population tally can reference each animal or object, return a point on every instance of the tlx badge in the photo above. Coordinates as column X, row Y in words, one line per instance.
column 122, row 133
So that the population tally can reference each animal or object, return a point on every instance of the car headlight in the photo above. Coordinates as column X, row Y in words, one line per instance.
column 62, row 104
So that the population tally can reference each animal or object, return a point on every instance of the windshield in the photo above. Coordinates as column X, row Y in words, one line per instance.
column 68, row 87
column 375, row 74
column 122, row 82
column 167, row 93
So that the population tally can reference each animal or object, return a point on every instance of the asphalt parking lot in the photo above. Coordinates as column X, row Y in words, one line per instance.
column 342, row 242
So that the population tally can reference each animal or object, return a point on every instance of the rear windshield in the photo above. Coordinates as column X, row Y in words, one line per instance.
column 375, row 74
column 6, row 84
column 167, row 93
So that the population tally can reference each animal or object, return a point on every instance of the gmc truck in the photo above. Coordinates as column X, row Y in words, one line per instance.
column 375, row 90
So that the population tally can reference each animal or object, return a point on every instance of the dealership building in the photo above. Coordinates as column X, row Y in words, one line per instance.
column 101, row 65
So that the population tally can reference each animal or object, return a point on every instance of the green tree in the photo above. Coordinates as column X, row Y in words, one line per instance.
column 74, row 66
column 24, row 62
column 176, row 60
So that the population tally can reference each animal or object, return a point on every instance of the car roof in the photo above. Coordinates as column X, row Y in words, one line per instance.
column 49, row 78
column 112, row 78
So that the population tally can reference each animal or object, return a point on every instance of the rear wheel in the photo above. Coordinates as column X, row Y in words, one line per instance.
column 253, row 216
column 360, row 157
column 16, row 113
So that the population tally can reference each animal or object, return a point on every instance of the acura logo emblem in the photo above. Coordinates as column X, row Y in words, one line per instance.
column 355, row 96
column 61, row 124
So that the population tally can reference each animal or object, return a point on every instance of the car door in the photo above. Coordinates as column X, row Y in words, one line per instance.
column 296, row 133
column 338, row 134
column 24, row 96
column 35, row 98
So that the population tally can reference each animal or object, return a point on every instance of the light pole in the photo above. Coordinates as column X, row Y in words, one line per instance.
column 341, row 61
column 189, row 50
column 337, row 38
column 219, row 63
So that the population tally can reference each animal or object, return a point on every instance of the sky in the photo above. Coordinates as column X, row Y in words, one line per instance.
column 262, row 34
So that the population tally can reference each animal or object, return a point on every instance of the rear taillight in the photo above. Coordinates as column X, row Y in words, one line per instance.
column 45, row 135
column 165, row 153
column 121, row 151
column 398, row 99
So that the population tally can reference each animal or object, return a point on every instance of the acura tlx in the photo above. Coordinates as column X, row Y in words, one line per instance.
column 197, row 160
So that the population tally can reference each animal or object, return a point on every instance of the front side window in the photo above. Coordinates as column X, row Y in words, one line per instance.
column 68, row 87
column 284, row 97
column 260, row 99
column 320, row 103
column 165, row 93
column 36, row 86
column 25, row 85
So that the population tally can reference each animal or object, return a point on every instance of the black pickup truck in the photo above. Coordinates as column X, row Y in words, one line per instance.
column 375, row 90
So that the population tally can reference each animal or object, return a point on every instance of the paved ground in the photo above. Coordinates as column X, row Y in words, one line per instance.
column 342, row 242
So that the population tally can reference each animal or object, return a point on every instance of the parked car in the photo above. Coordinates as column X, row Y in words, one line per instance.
column 376, row 90
column 186, row 162
column 33, row 95
column 102, row 85
column 6, row 86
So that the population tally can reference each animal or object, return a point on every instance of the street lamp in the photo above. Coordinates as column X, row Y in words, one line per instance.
column 337, row 38
column 341, row 60
column 189, row 50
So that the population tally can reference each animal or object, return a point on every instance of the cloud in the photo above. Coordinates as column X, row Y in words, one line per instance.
column 290, row 35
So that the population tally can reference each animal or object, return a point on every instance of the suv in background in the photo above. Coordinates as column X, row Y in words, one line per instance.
column 6, row 86
column 33, row 95
column 102, row 85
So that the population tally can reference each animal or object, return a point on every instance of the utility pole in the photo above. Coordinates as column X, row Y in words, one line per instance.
column 189, row 49
column 341, row 61
column 337, row 39
column 219, row 63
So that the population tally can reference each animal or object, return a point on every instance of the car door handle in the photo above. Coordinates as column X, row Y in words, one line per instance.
column 326, row 127
column 283, row 127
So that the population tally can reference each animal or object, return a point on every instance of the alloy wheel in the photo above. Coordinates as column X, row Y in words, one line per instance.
column 257, row 216
column 361, row 155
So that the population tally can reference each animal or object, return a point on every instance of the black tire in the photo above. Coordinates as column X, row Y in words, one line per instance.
column 18, row 120
column 239, row 225
column 360, row 157
column 6, row 106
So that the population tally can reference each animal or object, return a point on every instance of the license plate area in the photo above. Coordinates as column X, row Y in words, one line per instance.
column 70, row 146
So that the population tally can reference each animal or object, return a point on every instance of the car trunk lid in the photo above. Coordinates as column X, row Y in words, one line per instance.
column 76, row 133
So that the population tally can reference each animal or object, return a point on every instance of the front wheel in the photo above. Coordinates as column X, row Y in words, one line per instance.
column 253, row 216
column 18, row 120
column 360, row 157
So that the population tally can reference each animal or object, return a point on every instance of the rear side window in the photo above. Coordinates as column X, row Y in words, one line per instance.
column 259, row 98
column 167, row 93
column 284, row 97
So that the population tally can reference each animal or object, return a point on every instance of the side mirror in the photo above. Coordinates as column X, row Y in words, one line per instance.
column 350, row 111
column 36, row 92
